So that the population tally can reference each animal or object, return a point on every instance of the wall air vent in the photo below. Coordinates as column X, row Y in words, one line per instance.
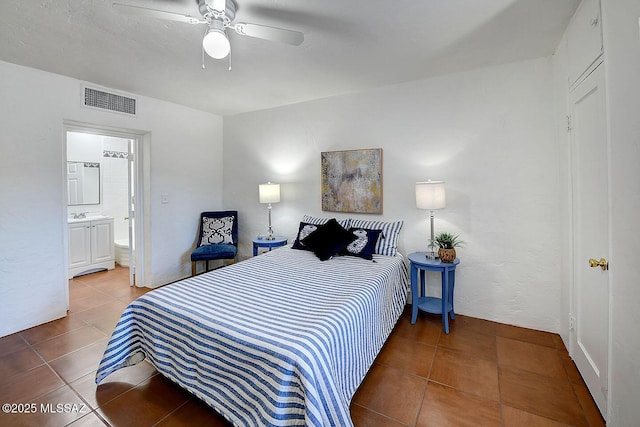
column 96, row 98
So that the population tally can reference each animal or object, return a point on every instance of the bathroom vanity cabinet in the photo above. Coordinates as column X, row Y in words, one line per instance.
column 91, row 246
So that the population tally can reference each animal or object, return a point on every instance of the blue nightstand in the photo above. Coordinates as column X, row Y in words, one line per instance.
column 264, row 243
column 420, row 263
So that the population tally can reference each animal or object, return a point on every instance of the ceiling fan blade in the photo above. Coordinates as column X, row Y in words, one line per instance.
column 154, row 13
column 269, row 33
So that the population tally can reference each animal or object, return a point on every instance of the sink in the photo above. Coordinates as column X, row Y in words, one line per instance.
column 88, row 218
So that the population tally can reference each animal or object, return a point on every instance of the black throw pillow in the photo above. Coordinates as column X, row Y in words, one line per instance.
column 328, row 239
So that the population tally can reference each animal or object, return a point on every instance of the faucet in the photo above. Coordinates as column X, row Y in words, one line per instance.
column 79, row 215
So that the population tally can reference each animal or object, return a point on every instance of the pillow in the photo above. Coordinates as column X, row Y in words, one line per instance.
column 308, row 225
column 217, row 230
column 388, row 241
column 304, row 230
column 364, row 244
column 344, row 222
column 328, row 240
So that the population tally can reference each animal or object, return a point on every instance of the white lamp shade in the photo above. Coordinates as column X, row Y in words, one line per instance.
column 215, row 42
column 430, row 195
column 269, row 193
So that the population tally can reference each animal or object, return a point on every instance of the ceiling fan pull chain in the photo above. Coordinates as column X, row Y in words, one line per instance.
column 230, row 50
column 202, row 48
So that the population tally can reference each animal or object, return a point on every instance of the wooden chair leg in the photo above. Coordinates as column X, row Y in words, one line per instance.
column 193, row 268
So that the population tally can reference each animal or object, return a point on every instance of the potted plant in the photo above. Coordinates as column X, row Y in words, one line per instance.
column 447, row 244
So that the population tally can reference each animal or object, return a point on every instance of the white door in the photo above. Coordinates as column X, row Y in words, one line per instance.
column 590, row 290
column 132, row 170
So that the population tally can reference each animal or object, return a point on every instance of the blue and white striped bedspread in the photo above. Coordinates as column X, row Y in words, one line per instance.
column 281, row 339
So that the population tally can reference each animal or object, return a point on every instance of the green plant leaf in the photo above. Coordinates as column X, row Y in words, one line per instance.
column 446, row 240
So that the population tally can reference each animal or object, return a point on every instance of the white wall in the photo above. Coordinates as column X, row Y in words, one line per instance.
column 488, row 133
column 115, row 185
column 622, row 55
column 185, row 163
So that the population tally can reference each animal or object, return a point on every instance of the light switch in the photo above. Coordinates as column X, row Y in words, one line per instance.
column 164, row 198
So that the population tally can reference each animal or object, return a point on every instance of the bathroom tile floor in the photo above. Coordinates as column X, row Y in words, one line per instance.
column 481, row 374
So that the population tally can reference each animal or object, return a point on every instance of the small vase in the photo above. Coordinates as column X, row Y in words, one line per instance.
column 447, row 255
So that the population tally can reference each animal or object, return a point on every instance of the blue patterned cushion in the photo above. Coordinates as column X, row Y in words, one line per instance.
column 303, row 231
column 388, row 241
column 217, row 230
column 364, row 245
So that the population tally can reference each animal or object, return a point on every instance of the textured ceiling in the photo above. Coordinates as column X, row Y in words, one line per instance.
column 350, row 45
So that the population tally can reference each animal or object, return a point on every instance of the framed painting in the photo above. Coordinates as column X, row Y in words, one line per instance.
column 352, row 181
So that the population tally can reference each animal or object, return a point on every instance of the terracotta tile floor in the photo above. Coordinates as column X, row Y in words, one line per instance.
column 481, row 374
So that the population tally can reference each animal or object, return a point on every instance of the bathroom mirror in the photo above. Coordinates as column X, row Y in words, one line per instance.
column 83, row 183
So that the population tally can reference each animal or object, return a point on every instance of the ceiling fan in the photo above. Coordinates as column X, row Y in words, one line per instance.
column 219, row 15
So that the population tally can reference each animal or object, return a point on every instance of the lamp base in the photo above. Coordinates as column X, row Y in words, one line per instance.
column 432, row 251
column 270, row 235
column 270, row 229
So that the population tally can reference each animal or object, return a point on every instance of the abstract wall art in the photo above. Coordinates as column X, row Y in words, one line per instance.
column 352, row 181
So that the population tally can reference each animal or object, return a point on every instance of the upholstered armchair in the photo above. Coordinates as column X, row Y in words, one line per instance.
column 218, row 238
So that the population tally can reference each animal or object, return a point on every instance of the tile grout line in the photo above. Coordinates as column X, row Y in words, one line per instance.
column 426, row 386
column 95, row 411
column 572, row 385
column 49, row 338
column 64, row 382
column 385, row 416
column 171, row 413
column 501, row 405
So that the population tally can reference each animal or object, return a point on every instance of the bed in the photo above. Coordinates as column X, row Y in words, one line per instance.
column 279, row 339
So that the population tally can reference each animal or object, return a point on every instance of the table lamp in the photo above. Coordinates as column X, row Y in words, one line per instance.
column 430, row 195
column 269, row 193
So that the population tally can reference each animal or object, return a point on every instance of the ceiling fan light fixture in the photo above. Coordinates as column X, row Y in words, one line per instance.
column 219, row 15
column 215, row 42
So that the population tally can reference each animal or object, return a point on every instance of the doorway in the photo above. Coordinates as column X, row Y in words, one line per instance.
column 117, row 194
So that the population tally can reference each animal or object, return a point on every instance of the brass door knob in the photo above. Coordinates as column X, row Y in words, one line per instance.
column 602, row 263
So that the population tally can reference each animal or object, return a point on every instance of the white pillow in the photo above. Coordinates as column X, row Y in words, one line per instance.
column 316, row 220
